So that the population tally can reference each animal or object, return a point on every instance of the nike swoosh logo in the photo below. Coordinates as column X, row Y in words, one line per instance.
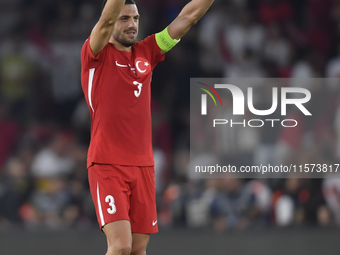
column 120, row 65
column 154, row 223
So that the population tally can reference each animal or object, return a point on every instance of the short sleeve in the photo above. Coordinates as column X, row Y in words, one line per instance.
column 87, row 57
column 155, row 51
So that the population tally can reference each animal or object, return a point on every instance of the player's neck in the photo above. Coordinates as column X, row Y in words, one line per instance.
column 119, row 46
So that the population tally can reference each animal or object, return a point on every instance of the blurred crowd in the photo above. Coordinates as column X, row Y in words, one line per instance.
column 45, row 125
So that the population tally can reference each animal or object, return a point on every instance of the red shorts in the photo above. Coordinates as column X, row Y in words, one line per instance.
column 125, row 193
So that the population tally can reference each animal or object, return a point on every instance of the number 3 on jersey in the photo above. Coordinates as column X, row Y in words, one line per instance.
column 139, row 87
column 109, row 199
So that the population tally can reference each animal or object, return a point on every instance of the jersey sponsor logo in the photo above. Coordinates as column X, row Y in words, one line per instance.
column 142, row 66
column 117, row 64
column 154, row 223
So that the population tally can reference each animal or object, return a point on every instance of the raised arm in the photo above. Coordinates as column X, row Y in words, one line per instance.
column 188, row 17
column 102, row 31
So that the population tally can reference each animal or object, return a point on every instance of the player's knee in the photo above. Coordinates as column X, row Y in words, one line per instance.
column 138, row 249
column 138, row 252
column 119, row 249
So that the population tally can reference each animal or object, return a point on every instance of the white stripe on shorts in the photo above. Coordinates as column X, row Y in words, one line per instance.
column 100, row 207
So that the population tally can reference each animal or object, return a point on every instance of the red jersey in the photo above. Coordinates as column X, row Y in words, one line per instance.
column 117, row 88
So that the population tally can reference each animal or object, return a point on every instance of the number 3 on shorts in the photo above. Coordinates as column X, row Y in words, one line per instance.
column 109, row 199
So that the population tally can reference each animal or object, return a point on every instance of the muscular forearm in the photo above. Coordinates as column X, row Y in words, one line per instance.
column 188, row 17
column 102, row 31
column 111, row 11
column 196, row 9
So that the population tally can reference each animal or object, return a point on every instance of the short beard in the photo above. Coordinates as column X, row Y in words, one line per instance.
column 123, row 41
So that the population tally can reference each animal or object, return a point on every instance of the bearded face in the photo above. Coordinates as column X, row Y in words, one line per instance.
column 126, row 27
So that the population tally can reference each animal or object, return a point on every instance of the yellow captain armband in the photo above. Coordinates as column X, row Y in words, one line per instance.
column 164, row 40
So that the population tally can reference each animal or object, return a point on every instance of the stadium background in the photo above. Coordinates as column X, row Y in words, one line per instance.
column 45, row 203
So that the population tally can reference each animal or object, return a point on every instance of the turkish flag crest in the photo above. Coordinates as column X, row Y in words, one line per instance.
column 143, row 66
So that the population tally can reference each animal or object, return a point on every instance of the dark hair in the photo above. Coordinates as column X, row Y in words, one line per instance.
column 126, row 2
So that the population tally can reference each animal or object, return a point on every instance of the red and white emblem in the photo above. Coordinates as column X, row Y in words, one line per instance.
column 143, row 66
